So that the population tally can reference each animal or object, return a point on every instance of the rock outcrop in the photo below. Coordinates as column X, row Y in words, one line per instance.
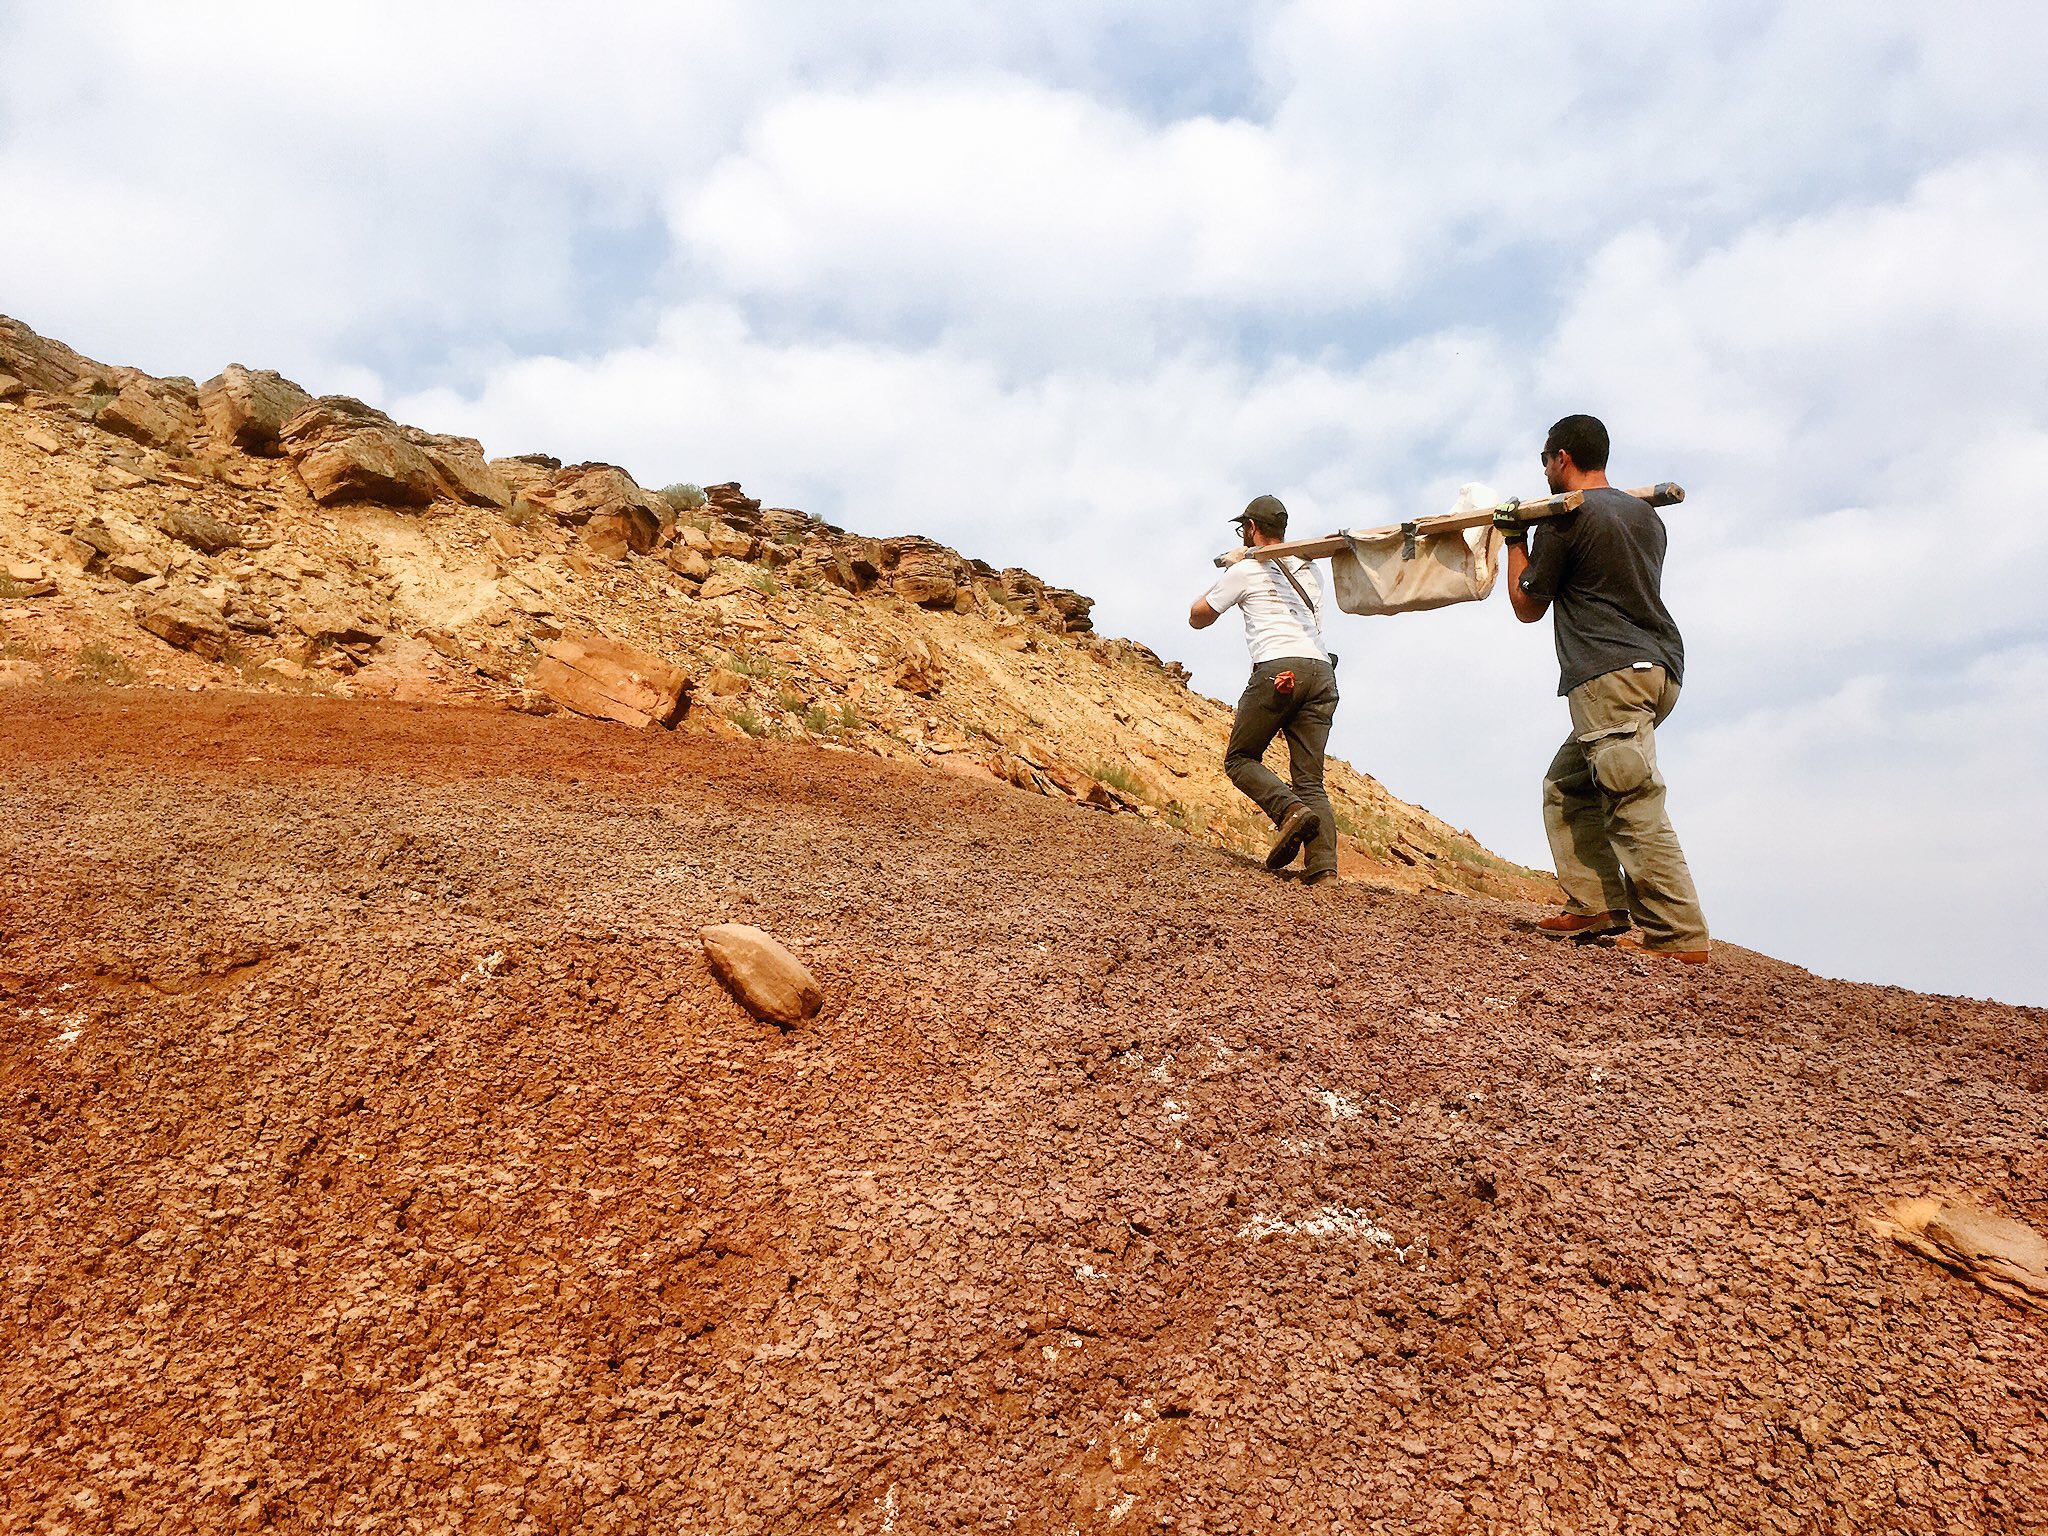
column 345, row 450
column 160, row 412
column 459, row 469
column 248, row 407
column 244, row 534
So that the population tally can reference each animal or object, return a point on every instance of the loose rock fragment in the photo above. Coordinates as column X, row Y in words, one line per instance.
column 767, row 979
column 688, row 563
column 610, row 681
column 185, row 621
column 147, row 415
column 2000, row 1255
column 207, row 534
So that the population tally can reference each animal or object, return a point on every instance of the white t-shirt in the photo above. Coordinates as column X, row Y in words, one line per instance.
column 1276, row 621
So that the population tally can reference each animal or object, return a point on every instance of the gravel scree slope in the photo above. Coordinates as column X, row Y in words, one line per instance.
column 379, row 1154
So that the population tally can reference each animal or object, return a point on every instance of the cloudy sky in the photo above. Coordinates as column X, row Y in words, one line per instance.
column 1066, row 284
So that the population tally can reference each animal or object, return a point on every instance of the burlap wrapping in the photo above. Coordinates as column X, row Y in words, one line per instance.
column 1394, row 573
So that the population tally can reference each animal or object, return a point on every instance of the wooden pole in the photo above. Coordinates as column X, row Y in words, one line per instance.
column 1662, row 494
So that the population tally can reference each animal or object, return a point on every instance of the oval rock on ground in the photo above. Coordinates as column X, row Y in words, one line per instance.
column 768, row 980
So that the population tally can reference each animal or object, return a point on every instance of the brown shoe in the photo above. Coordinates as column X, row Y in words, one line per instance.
column 1296, row 828
column 1588, row 925
column 1636, row 946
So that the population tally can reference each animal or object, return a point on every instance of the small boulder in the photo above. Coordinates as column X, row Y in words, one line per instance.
column 768, row 981
column 728, row 501
column 922, row 572
column 285, row 671
column 135, row 565
column 187, row 621
column 11, row 388
column 688, row 563
column 728, row 584
column 249, row 407
column 586, row 491
column 918, row 672
column 605, row 539
column 458, row 463
column 65, row 550
column 1073, row 610
column 728, row 543
column 609, row 680
column 531, row 475
column 148, row 414
column 345, row 450
column 27, row 579
column 338, row 626
column 208, row 535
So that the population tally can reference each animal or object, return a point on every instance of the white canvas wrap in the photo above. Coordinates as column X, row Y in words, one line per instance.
column 1380, row 575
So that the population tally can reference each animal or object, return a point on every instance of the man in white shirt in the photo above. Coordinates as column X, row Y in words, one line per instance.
column 1293, row 688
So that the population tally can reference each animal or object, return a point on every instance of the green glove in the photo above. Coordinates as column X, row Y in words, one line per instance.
column 1511, row 527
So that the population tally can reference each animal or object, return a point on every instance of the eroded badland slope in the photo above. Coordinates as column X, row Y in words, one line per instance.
column 380, row 1155
column 377, row 1151
column 243, row 535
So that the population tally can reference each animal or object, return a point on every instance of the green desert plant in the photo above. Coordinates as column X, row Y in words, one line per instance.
column 101, row 663
column 1117, row 777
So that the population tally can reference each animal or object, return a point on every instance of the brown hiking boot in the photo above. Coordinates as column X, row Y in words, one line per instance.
column 1584, row 925
column 1636, row 946
column 1296, row 828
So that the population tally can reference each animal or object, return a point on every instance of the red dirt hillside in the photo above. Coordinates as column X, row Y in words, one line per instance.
column 380, row 1154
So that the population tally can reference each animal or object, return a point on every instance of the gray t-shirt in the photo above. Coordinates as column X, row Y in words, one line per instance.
column 1602, row 569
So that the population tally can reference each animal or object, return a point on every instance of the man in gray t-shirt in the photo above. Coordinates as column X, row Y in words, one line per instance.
column 1620, row 661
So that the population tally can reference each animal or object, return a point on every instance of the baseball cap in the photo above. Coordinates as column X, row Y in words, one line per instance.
column 1266, row 513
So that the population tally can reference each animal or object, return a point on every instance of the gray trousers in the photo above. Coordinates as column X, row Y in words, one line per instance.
column 1603, row 806
column 1305, row 716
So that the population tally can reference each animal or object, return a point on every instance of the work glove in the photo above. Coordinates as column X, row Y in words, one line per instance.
column 1511, row 527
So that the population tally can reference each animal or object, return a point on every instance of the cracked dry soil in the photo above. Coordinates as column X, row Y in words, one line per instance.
column 379, row 1154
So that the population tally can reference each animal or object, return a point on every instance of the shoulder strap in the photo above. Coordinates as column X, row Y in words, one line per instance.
column 1300, row 591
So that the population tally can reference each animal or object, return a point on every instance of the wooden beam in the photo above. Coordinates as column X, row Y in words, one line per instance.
column 1662, row 494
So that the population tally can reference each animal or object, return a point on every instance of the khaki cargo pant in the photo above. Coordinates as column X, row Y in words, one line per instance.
column 1603, row 806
